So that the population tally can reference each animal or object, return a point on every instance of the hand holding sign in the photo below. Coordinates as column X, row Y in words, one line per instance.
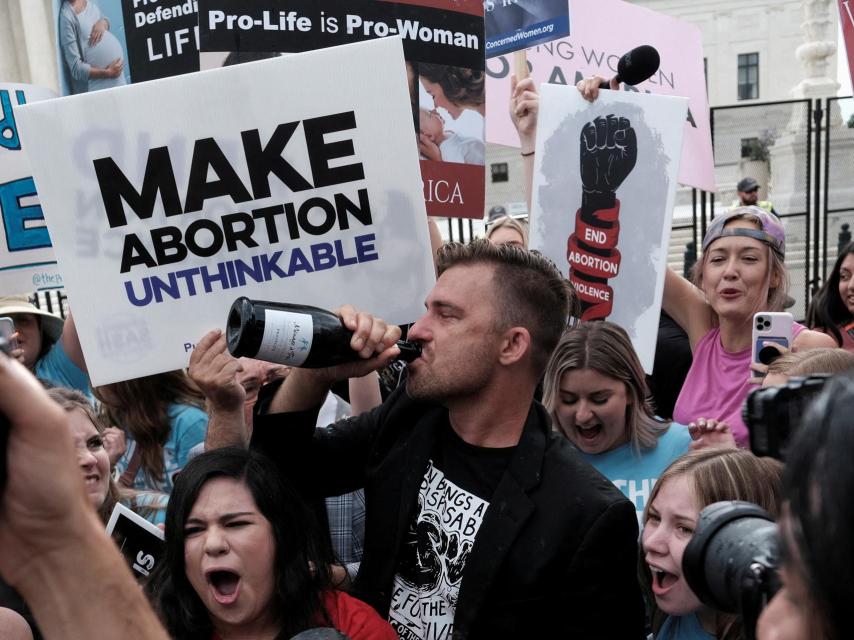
column 524, row 104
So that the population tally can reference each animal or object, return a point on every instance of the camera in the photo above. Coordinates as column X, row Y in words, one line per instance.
column 773, row 414
column 732, row 559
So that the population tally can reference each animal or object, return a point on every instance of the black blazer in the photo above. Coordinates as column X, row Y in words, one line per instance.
column 555, row 555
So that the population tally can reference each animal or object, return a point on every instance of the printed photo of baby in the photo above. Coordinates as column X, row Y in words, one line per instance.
column 437, row 143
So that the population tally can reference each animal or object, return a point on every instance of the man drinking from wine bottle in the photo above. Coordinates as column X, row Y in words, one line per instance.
column 481, row 522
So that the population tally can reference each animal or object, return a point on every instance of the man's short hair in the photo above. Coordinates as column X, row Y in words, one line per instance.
column 530, row 291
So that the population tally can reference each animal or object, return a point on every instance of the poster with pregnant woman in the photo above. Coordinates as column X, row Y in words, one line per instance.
column 103, row 44
column 443, row 42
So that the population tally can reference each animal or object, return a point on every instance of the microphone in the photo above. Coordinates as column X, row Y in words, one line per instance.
column 637, row 65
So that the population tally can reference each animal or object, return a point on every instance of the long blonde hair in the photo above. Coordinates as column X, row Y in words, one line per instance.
column 141, row 407
column 71, row 400
column 719, row 474
column 777, row 296
column 821, row 360
column 605, row 347
column 519, row 226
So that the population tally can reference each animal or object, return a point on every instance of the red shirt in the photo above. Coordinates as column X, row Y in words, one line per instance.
column 353, row 618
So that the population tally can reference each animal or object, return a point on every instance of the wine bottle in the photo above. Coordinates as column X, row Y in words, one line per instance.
column 294, row 334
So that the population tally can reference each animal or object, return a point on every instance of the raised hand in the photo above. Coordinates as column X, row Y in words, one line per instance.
column 215, row 371
column 609, row 150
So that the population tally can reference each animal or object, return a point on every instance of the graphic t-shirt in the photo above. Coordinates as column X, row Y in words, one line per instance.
column 455, row 493
column 635, row 473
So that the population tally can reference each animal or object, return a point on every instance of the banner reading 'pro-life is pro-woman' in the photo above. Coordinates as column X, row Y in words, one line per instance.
column 443, row 41
column 206, row 187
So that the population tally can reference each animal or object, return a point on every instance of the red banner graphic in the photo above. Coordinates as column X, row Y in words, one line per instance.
column 846, row 19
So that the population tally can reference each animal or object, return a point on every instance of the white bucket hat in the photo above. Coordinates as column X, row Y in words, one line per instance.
column 51, row 325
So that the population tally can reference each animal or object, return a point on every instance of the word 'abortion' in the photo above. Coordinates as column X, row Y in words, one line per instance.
column 212, row 176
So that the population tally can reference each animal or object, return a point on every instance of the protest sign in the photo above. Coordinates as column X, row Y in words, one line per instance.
column 443, row 45
column 604, row 190
column 513, row 25
column 195, row 190
column 846, row 21
column 27, row 262
column 111, row 43
column 140, row 542
column 602, row 31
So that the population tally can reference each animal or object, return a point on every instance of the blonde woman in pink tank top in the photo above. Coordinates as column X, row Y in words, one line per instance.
column 741, row 273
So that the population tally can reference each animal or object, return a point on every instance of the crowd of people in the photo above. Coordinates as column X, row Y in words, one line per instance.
column 519, row 480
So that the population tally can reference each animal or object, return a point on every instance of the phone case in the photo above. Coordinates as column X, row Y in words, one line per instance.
column 771, row 326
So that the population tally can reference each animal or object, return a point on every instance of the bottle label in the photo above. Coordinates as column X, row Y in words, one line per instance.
column 287, row 337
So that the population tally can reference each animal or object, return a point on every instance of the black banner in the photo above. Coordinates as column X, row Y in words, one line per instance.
column 429, row 34
column 162, row 38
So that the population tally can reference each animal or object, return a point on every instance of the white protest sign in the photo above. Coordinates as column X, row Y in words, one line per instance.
column 604, row 188
column 27, row 262
column 292, row 179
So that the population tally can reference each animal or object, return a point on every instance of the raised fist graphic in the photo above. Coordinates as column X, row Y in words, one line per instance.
column 609, row 150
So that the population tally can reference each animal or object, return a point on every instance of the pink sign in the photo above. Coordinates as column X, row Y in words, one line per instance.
column 846, row 17
column 602, row 31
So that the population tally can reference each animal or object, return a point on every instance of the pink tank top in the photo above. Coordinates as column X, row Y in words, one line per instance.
column 716, row 385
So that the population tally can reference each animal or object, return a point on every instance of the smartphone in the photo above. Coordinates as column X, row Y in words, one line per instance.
column 7, row 328
column 770, row 326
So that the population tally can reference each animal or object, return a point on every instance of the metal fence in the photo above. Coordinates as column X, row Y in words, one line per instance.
column 801, row 152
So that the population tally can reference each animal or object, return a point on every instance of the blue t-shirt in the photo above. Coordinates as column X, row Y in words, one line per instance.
column 188, row 428
column 57, row 369
column 150, row 505
column 683, row 628
column 635, row 474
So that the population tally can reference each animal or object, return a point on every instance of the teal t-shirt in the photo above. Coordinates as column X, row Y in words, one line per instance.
column 635, row 474
column 683, row 628
column 57, row 369
column 189, row 426
column 151, row 505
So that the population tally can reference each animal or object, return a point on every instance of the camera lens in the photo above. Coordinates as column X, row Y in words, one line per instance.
column 731, row 561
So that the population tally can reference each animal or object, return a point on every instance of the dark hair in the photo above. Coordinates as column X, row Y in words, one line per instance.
column 47, row 339
column 529, row 291
column 818, row 482
column 141, row 407
column 463, row 87
column 827, row 311
column 302, row 556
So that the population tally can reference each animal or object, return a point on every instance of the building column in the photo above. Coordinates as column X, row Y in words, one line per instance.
column 818, row 50
column 36, row 22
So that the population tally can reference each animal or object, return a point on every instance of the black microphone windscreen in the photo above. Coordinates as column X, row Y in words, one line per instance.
column 638, row 65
